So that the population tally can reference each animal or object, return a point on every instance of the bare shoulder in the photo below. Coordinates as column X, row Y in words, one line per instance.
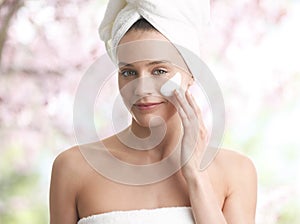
column 236, row 167
column 71, row 163
column 240, row 185
column 68, row 160
column 232, row 158
column 65, row 182
column 67, row 167
column 233, row 161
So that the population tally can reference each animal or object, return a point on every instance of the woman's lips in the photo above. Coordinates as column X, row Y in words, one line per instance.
column 147, row 106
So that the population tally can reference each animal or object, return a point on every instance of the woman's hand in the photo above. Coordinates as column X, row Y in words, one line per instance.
column 194, row 140
column 239, row 203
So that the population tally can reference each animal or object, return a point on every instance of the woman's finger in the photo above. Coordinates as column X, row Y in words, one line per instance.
column 197, row 110
column 184, row 105
column 195, row 107
column 183, row 117
column 192, row 102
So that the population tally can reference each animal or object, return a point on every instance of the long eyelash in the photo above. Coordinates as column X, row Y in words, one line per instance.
column 125, row 70
column 161, row 71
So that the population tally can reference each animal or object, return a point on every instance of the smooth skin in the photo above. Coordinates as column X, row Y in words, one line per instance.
column 224, row 193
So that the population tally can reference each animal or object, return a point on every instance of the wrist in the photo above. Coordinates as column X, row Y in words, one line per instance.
column 195, row 178
column 189, row 173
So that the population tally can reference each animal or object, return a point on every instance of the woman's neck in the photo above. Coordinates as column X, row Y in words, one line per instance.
column 159, row 140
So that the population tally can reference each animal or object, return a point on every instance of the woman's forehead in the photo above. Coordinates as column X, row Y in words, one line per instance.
column 149, row 50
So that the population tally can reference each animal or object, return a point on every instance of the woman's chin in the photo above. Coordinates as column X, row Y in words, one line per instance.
column 150, row 122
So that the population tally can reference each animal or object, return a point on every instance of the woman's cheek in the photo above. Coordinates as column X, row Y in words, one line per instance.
column 127, row 98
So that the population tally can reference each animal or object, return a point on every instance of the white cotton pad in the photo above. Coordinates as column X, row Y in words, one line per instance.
column 168, row 88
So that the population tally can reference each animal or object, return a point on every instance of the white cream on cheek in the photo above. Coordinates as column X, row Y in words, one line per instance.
column 168, row 88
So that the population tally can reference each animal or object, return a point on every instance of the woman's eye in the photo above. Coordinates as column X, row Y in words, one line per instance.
column 159, row 72
column 127, row 73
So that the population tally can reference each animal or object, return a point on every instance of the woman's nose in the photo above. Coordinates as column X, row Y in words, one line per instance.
column 145, row 85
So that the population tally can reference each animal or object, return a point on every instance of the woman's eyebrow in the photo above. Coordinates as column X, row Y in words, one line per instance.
column 159, row 62
column 122, row 64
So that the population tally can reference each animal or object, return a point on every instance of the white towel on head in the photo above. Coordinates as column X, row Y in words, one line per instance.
column 181, row 22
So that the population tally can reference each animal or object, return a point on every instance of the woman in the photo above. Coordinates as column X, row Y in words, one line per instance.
column 224, row 192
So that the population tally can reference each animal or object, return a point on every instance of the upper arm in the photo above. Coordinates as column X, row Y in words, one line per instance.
column 63, row 190
column 240, row 203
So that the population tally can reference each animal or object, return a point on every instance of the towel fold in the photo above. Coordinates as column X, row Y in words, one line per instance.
column 181, row 22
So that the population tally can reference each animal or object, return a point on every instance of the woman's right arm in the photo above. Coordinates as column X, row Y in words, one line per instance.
column 63, row 189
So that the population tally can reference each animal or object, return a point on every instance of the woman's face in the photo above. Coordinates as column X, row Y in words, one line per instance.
column 147, row 60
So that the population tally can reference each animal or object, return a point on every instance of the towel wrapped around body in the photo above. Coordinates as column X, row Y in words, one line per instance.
column 174, row 215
